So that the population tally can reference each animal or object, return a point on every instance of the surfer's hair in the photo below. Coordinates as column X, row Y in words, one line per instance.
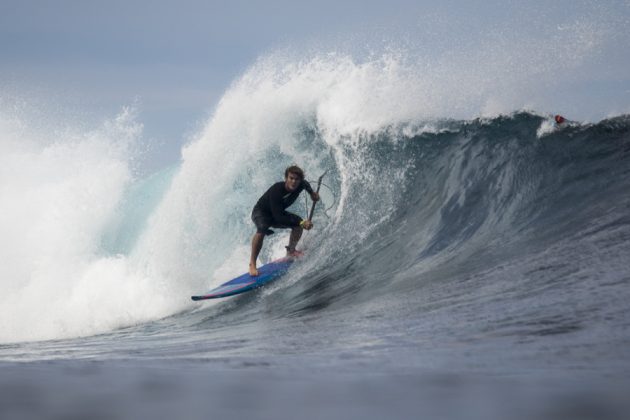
column 295, row 170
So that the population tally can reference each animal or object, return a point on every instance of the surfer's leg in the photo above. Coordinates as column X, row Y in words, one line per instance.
column 257, row 243
column 262, row 222
column 296, row 234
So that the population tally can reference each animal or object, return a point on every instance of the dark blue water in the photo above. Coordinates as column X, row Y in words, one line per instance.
column 476, row 271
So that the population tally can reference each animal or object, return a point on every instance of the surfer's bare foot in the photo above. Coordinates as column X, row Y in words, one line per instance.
column 253, row 271
column 294, row 253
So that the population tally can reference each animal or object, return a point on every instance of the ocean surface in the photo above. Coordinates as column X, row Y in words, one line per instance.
column 458, row 268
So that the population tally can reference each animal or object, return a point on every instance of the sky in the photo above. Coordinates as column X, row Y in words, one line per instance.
column 174, row 60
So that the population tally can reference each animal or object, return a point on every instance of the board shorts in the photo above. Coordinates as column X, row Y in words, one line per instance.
column 264, row 221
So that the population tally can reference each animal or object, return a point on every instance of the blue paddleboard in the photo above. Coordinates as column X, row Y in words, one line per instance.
column 245, row 283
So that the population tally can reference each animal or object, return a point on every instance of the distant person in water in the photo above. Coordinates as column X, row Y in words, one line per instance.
column 270, row 211
column 559, row 119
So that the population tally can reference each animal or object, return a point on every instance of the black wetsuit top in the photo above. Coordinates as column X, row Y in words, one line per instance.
column 273, row 203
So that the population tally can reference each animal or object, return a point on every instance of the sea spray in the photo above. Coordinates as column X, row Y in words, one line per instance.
column 61, row 188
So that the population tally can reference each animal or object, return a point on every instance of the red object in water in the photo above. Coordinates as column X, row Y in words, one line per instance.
column 559, row 119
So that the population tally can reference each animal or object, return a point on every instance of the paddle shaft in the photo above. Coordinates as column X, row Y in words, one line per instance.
column 319, row 184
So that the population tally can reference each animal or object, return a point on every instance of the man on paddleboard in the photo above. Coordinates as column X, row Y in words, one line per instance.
column 270, row 211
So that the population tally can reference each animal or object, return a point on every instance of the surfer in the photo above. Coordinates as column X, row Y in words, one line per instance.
column 270, row 211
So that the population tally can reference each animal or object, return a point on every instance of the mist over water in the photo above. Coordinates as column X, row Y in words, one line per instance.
column 458, row 216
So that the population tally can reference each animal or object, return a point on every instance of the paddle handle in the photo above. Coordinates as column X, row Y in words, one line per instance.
column 319, row 184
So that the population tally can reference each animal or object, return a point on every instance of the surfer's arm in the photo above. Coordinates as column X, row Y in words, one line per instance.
column 279, row 214
column 309, row 190
column 307, row 186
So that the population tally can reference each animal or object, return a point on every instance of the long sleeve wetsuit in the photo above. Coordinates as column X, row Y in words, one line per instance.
column 270, row 210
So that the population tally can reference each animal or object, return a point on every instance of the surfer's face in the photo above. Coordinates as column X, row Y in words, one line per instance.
column 292, row 181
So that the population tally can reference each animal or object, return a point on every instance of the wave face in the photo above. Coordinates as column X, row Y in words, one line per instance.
column 521, row 225
column 488, row 206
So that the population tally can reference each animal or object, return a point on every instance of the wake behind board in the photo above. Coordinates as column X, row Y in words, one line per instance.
column 245, row 282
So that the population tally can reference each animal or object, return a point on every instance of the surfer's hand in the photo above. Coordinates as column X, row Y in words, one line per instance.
column 306, row 224
column 314, row 196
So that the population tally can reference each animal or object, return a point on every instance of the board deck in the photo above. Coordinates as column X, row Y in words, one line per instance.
column 246, row 282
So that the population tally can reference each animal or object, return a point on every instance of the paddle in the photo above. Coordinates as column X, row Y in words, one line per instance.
column 319, row 184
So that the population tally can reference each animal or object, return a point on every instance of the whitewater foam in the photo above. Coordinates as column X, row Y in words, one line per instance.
column 60, row 187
